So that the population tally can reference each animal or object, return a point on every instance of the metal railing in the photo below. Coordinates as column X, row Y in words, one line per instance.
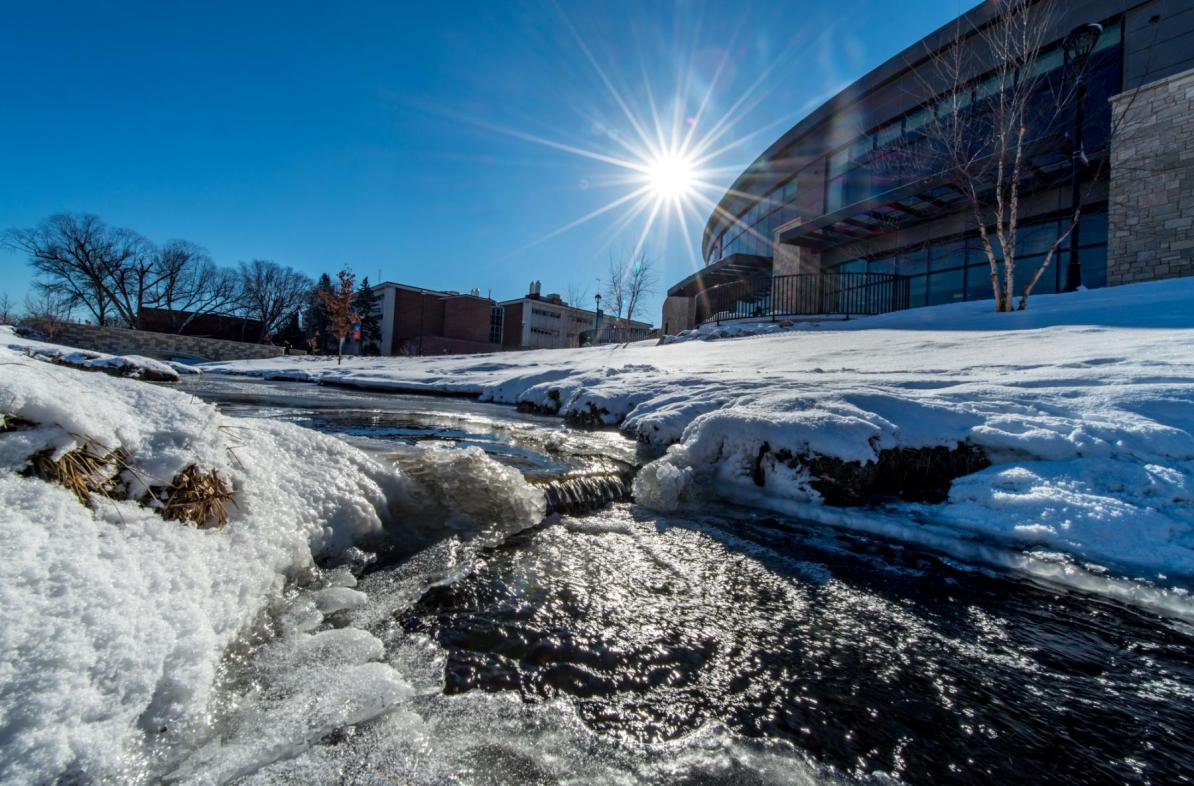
column 807, row 294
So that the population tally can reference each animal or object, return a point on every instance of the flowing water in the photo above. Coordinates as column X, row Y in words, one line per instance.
column 608, row 644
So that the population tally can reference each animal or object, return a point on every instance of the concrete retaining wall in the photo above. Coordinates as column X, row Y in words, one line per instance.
column 121, row 341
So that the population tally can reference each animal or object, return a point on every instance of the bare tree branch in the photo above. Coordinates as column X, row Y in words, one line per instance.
column 190, row 285
column 46, row 313
column 998, row 97
column 640, row 282
column 74, row 256
column 577, row 294
column 8, row 312
column 270, row 293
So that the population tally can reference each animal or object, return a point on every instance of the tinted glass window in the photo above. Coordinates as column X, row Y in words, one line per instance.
column 1094, row 266
column 948, row 255
column 914, row 262
column 946, row 287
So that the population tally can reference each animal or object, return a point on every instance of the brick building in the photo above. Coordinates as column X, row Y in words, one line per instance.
column 416, row 321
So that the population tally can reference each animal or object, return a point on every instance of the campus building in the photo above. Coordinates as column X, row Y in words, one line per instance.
column 824, row 222
column 417, row 321
column 537, row 321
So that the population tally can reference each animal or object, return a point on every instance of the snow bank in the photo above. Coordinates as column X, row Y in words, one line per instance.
column 1084, row 403
column 113, row 622
column 135, row 366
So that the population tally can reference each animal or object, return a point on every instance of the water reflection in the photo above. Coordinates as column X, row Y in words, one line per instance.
column 873, row 657
column 720, row 646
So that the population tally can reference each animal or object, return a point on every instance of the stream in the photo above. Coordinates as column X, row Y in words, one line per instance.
column 606, row 643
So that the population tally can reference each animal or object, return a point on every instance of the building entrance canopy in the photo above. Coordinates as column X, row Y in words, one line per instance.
column 735, row 267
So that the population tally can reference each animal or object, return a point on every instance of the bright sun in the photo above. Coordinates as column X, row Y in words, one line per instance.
column 671, row 177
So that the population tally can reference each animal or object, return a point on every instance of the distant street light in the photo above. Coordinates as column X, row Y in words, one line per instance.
column 1077, row 46
column 597, row 320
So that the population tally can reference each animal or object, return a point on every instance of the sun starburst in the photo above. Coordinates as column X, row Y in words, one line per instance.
column 663, row 156
column 671, row 177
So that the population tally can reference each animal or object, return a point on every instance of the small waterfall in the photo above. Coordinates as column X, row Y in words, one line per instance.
column 586, row 491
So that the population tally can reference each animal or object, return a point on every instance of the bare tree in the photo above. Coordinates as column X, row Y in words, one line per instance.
column 640, row 282
column 46, row 313
column 338, row 306
column 190, row 285
column 269, row 293
column 980, row 135
column 75, row 256
column 115, row 274
column 8, row 312
column 615, row 287
column 629, row 282
column 133, row 277
column 577, row 294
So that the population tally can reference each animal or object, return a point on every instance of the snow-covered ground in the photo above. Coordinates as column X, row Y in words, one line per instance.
column 115, row 623
column 135, row 366
column 1084, row 404
column 118, row 628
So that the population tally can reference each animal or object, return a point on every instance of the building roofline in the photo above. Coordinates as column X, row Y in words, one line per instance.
column 902, row 61
column 908, row 59
column 424, row 291
column 588, row 311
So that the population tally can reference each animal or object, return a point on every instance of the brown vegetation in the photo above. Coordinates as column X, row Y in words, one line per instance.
column 86, row 471
column 195, row 496
column 90, row 471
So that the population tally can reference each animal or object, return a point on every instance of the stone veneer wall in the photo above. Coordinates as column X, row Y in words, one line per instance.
column 121, row 341
column 789, row 260
column 679, row 313
column 1151, row 201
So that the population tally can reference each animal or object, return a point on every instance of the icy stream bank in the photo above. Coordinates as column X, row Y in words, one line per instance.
column 706, row 646
column 1084, row 405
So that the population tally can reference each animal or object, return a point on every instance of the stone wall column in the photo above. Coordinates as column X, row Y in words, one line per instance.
column 790, row 260
column 679, row 313
column 1150, row 231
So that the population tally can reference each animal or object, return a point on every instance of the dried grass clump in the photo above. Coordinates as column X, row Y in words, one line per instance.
column 86, row 471
column 195, row 496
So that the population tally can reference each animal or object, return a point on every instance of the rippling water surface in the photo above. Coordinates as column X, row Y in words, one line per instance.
column 722, row 645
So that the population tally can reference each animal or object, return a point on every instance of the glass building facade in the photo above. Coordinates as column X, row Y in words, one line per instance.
column 955, row 269
column 860, row 172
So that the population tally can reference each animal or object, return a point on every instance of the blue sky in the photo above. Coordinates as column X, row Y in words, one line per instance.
column 407, row 138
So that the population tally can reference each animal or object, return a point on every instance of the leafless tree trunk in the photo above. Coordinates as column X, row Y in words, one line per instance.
column 46, row 313
column 76, row 257
column 615, row 289
column 190, row 285
column 270, row 293
column 982, row 132
column 134, row 280
column 640, row 283
column 8, row 313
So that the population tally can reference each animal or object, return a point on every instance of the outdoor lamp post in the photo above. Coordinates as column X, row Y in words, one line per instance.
column 1077, row 46
column 597, row 320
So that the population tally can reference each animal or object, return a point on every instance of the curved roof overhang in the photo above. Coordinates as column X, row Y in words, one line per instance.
column 818, row 134
column 735, row 267
column 760, row 177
